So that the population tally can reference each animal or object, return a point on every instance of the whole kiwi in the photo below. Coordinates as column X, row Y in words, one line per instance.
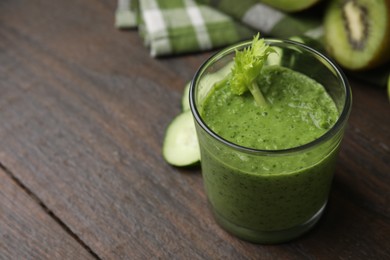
column 291, row 6
column 357, row 33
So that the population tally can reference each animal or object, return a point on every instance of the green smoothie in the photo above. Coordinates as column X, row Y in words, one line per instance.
column 252, row 194
column 299, row 111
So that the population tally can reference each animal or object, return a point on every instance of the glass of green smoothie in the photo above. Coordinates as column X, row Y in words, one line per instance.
column 268, row 169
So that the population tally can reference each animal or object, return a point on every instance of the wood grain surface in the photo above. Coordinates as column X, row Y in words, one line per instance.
column 28, row 230
column 83, row 110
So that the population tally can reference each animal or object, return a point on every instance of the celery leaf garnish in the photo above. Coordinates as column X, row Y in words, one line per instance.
column 247, row 66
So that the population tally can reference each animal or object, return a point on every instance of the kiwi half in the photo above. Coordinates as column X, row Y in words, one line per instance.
column 357, row 32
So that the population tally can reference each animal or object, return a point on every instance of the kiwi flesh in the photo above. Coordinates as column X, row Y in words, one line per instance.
column 357, row 33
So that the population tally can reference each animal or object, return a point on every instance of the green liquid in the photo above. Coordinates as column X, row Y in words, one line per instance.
column 299, row 111
column 254, row 196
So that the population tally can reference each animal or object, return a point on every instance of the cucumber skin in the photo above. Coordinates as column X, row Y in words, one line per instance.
column 388, row 87
column 185, row 100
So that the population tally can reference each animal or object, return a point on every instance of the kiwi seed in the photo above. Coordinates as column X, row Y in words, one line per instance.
column 356, row 23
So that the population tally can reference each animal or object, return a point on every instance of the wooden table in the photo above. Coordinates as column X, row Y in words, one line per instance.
column 83, row 110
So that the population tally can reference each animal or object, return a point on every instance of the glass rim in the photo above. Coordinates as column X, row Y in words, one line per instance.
column 343, row 116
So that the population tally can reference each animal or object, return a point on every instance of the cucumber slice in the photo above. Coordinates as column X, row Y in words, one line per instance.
column 211, row 79
column 275, row 58
column 181, row 147
column 185, row 100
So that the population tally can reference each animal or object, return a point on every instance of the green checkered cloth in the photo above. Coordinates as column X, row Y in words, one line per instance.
column 179, row 26
column 270, row 21
column 126, row 15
